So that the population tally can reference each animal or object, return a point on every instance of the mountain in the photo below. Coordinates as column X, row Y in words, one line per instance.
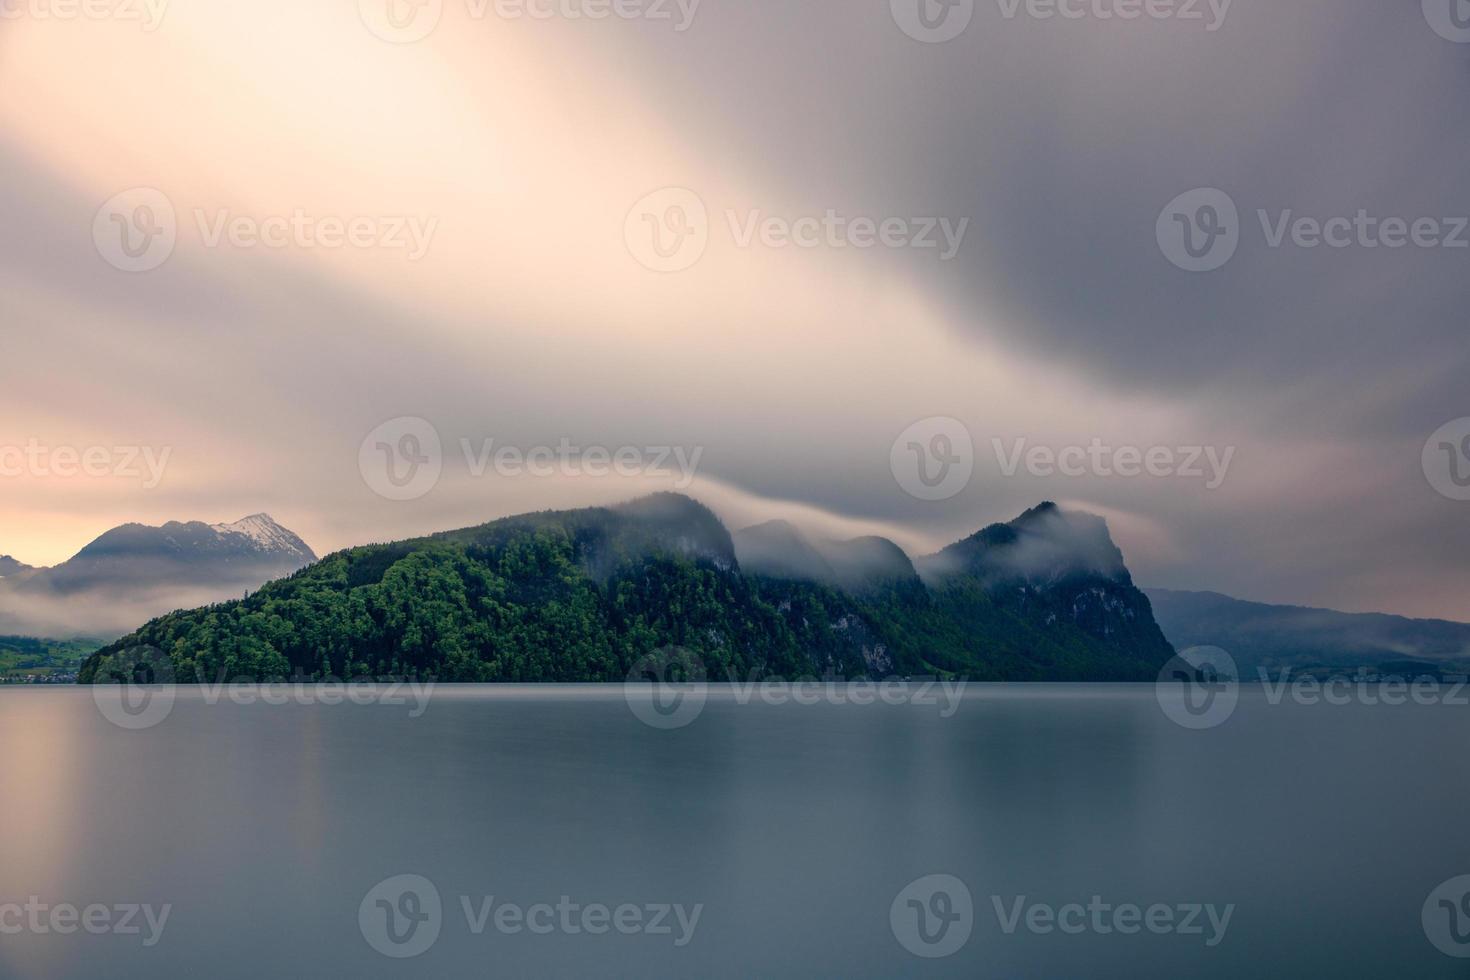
column 584, row 595
column 1049, row 597
column 10, row 567
column 777, row 549
column 134, row 572
column 868, row 564
column 255, row 549
column 1258, row 635
column 1042, row 548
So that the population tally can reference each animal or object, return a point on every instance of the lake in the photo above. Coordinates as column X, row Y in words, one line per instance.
column 1045, row 831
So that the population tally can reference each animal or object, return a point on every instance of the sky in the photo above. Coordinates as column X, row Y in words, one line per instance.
column 876, row 267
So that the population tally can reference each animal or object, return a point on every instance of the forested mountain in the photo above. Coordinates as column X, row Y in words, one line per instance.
column 583, row 595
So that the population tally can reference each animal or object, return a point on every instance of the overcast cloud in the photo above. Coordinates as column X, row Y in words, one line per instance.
column 533, row 317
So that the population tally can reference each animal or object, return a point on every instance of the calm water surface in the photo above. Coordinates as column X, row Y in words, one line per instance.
column 794, row 827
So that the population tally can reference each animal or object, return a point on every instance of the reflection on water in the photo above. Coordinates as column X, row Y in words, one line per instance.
column 802, row 834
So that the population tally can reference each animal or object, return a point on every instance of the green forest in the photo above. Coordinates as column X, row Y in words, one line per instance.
column 585, row 595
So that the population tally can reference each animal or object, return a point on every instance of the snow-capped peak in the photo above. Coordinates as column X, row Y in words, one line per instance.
column 262, row 531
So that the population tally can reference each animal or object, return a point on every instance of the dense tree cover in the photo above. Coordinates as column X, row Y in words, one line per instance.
column 585, row 595
column 21, row 655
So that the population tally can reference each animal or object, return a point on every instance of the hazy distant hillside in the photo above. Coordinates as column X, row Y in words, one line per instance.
column 583, row 595
column 135, row 572
column 777, row 549
column 9, row 566
column 1260, row 635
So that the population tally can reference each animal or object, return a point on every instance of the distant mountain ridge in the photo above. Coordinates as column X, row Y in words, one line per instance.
column 1044, row 546
column 190, row 552
column 777, row 549
column 1259, row 635
column 9, row 566
column 135, row 571
column 583, row 595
